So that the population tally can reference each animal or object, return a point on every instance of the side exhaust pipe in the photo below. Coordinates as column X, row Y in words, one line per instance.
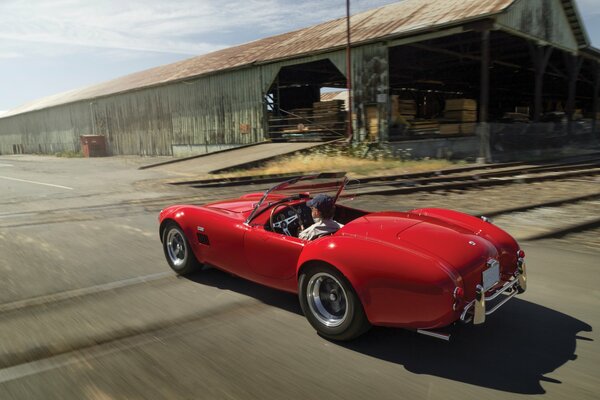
column 437, row 335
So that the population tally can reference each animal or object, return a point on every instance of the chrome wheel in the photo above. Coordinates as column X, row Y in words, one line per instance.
column 176, row 248
column 327, row 299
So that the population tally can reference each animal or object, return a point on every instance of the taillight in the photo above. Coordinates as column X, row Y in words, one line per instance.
column 458, row 294
column 520, row 254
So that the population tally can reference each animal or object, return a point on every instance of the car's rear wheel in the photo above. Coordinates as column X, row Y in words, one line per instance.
column 330, row 304
column 178, row 251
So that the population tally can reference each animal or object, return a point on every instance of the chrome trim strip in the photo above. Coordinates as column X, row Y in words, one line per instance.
column 503, row 289
column 497, row 306
column 507, row 286
column 437, row 335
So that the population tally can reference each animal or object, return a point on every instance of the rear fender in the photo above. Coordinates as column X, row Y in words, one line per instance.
column 505, row 244
column 397, row 286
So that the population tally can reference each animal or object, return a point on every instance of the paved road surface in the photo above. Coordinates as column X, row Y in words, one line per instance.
column 89, row 310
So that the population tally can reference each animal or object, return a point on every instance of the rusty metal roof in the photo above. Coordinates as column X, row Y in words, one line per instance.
column 394, row 20
column 575, row 21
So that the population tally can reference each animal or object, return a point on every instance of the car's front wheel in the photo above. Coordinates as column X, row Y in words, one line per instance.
column 330, row 304
column 177, row 250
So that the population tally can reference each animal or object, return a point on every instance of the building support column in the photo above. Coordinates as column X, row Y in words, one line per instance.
column 485, row 153
column 540, row 55
column 596, row 99
column 573, row 64
column 349, row 127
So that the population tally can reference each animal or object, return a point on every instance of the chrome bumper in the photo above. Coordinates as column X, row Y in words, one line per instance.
column 518, row 284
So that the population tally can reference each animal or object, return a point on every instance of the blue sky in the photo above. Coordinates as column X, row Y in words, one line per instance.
column 52, row 46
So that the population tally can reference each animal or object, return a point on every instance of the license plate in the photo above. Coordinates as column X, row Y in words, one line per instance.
column 491, row 276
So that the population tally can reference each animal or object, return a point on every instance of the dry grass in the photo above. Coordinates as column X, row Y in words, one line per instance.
column 355, row 166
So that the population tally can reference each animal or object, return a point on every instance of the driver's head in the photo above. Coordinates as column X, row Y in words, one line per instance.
column 323, row 205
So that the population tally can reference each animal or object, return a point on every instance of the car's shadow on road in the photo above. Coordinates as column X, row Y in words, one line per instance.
column 222, row 280
column 512, row 351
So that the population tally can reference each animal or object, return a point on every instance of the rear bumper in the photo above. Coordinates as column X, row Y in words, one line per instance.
column 478, row 309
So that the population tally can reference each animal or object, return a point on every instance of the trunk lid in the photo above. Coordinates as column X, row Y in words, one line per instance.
column 456, row 246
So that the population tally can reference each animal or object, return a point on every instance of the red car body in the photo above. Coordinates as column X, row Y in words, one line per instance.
column 420, row 269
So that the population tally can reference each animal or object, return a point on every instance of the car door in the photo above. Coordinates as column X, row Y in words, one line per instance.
column 272, row 255
column 218, row 240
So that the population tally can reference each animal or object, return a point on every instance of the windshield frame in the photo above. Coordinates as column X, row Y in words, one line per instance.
column 341, row 182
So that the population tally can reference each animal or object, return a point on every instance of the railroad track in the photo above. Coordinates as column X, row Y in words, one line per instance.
column 552, row 219
column 464, row 182
column 461, row 178
column 458, row 179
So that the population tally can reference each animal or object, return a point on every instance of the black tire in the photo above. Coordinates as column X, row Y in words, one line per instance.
column 177, row 250
column 330, row 304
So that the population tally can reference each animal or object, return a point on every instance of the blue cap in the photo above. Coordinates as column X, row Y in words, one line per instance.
column 321, row 202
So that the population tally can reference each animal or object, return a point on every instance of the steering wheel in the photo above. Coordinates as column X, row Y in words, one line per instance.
column 284, row 224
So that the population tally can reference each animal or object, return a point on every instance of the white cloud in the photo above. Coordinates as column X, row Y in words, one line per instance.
column 9, row 54
column 591, row 7
column 183, row 27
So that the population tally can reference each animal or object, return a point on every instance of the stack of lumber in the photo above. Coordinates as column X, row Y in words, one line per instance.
column 460, row 116
column 450, row 129
column 516, row 117
column 461, row 110
column 403, row 109
column 467, row 128
column 424, row 126
column 329, row 114
column 300, row 113
column 329, row 106
column 372, row 122
column 323, row 118
column 525, row 110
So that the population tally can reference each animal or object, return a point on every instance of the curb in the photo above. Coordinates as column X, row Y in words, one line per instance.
column 262, row 160
column 199, row 155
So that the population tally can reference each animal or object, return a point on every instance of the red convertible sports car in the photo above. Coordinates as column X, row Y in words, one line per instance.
column 423, row 270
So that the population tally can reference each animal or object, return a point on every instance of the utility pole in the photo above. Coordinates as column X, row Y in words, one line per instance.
column 348, row 73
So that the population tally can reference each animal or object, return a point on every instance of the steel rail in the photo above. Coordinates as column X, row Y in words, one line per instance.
column 552, row 203
column 461, row 183
column 438, row 175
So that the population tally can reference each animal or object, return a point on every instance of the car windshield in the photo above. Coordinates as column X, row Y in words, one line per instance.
column 328, row 183
column 311, row 185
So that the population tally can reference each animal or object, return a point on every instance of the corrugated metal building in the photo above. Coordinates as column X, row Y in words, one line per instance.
column 422, row 49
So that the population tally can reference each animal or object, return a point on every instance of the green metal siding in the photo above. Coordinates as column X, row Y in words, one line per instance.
column 204, row 111
column 45, row 131
column 542, row 19
column 209, row 110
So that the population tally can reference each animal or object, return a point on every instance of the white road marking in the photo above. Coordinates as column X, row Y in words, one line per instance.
column 6, row 165
column 86, row 355
column 70, row 294
column 12, row 215
column 36, row 183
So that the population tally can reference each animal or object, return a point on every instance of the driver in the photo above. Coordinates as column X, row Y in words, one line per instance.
column 323, row 208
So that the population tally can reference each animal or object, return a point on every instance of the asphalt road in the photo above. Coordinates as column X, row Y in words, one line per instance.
column 90, row 310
